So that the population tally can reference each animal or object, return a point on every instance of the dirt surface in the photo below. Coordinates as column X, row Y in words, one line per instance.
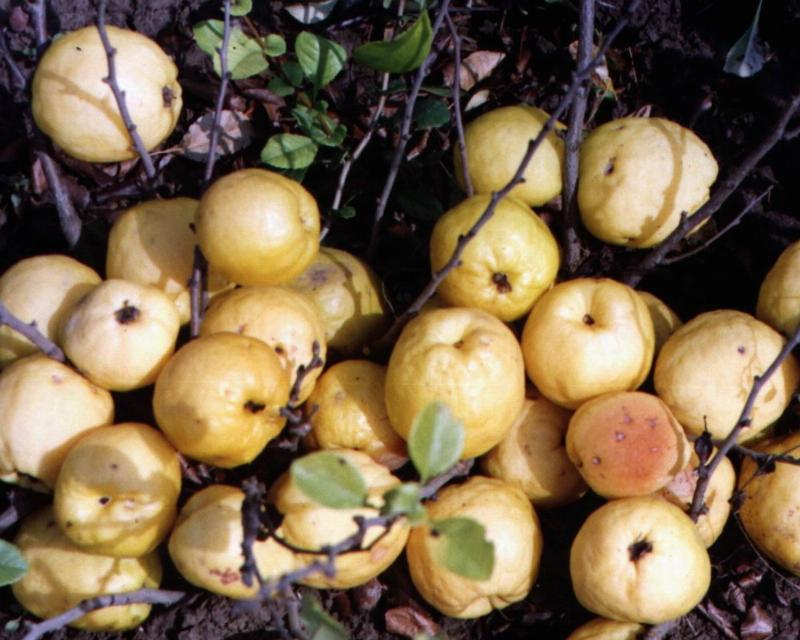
column 669, row 60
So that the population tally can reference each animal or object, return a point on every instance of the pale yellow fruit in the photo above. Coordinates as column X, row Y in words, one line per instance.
column 770, row 513
column 309, row 525
column 706, row 369
column 626, row 443
column 586, row 337
column 465, row 358
column 505, row 268
column 281, row 317
column 510, row 524
column 665, row 320
column 258, row 227
column 348, row 296
column 120, row 334
column 218, row 399
column 41, row 290
column 496, row 143
column 532, row 456
column 680, row 492
column 639, row 559
column 153, row 243
column 60, row 575
column 779, row 295
column 117, row 492
column 206, row 544
column 638, row 175
column 604, row 629
column 349, row 412
column 45, row 407
column 73, row 105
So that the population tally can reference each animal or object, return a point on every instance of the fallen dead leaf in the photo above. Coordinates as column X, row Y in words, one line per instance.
column 757, row 624
column 410, row 622
column 474, row 68
column 479, row 98
column 236, row 131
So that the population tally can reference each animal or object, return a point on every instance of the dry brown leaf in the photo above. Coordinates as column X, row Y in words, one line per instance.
column 410, row 622
column 236, row 131
column 474, row 68
column 757, row 625
column 479, row 98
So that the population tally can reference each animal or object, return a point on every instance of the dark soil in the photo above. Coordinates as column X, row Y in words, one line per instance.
column 670, row 60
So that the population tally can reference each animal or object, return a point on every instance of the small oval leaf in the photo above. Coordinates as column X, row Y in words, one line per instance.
column 436, row 440
column 274, row 45
column 321, row 59
column 311, row 12
column 12, row 563
column 241, row 7
column 405, row 499
column 462, row 548
column 327, row 478
column 405, row 53
column 289, row 151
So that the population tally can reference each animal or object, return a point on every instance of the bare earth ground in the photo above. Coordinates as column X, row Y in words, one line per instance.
column 671, row 59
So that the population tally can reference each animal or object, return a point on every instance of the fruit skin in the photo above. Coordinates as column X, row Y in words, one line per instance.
column 348, row 296
column 467, row 359
column 257, row 227
column 770, row 512
column 60, row 575
column 626, row 443
column 532, row 455
column 117, row 491
column 351, row 413
column 665, row 320
column 705, row 371
column 309, row 525
column 41, row 289
column 779, row 294
column 74, row 107
column 206, row 544
column 507, row 266
column 636, row 177
column 605, row 328
column 604, row 629
column 218, row 399
column 639, row 559
column 282, row 318
column 510, row 523
column 120, row 334
column 153, row 243
column 496, row 142
column 45, row 407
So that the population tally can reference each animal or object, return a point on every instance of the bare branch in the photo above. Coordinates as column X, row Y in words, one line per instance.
column 705, row 471
column 29, row 331
column 38, row 10
column 302, row 372
column 727, row 187
column 462, row 146
column 198, row 292
column 405, row 135
column 223, row 87
column 141, row 596
column 766, row 459
column 119, row 95
column 12, row 65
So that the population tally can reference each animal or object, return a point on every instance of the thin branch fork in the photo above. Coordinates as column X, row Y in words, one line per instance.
column 141, row 596
column 119, row 94
column 32, row 333
column 223, row 87
column 705, row 471
column 726, row 188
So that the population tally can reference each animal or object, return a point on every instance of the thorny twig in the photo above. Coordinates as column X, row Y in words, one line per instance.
column 572, row 243
column 462, row 145
column 223, row 87
column 577, row 79
column 29, row 331
column 198, row 292
column 140, row 596
column 405, row 135
column 705, row 471
column 119, row 94
column 727, row 187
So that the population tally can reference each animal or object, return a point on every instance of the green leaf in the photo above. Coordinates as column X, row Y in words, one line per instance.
column 317, row 124
column 245, row 55
column 321, row 59
column 274, row 45
column 310, row 13
column 405, row 498
column 318, row 623
column 405, row 53
column 346, row 212
column 289, row 151
column 330, row 480
column 241, row 7
column 749, row 54
column 436, row 440
column 462, row 547
column 280, row 87
column 12, row 564
column 442, row 92
column 293, row 73
column 431, row 113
